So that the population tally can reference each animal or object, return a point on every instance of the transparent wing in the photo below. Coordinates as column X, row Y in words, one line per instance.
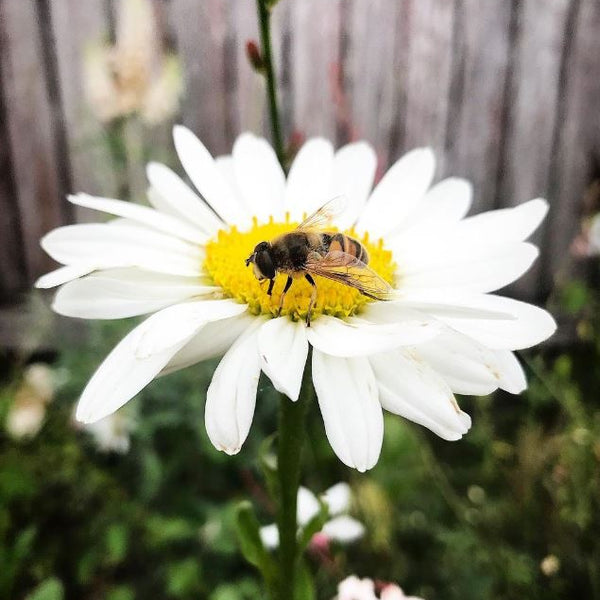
column 324, row 217
column 349, row 270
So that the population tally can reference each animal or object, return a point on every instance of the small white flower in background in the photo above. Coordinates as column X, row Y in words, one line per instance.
column 28, row 410
column 134, row 75
column 353, row 588
column 112, row 433
column 594, row 235
column 550, row 565
column 183, row 259
column 340, row 528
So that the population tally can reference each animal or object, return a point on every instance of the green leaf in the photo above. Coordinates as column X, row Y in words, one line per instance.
column 50, row 589
column 122, row 592
column 116, row 544
column 251, row 545
column 184, row 578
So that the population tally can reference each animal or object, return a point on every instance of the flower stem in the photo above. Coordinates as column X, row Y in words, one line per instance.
column 264, row 17
column 291, row 434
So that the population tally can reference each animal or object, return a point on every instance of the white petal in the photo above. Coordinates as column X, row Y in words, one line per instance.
column 353, row 173
column 259, row 176
column 467, row 366
column 307, row 507
column 231, row 396
column 410, row 388
column 283, row 350
column 142, row 214
column 119, row 293
column 62, row 275
column 202, row 170
column 344, row 529
column 337, row 498
column 185, row 319
column 309, row 180
column 529, row 326
column 471, row 271
column 446, row 202
column 125, row 372
column 504, row 226
column 214, row 339
column 512, row 376
column 269, row 534
column 398, row 192
column 348, row 399
column 358, row 337
column 181, row 199
column 103, row 246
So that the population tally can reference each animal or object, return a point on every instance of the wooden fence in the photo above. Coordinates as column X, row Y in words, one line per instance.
column 507, row 92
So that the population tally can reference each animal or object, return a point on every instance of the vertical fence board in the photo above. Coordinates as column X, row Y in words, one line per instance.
column 13, row 278
column 577, row 150
column 75, row 26
column 370, row 80
column 200, row 30
column 30, row 130
column 479, row 75
column 315, row 52
column 532, row 117
column 429, row 75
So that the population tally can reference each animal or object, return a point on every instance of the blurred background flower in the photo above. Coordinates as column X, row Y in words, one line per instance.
column 133, row 75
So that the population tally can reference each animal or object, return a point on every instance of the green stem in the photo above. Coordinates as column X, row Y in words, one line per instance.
column 264, row 17
column 291, row 433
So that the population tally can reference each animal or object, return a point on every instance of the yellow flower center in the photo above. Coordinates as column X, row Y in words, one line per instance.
column 225, row 265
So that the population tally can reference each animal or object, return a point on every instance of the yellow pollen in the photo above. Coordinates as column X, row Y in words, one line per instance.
column 225, row 265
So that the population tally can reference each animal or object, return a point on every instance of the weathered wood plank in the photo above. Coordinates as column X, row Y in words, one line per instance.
column 12, row 273
column 76, row 25
column 30, row 130
column 200, row 30
column 315, row 52
column 533, row 102
column 371, row 83
column 576, row 151
column 429, row 75
column 480, row 65
column 249, row 98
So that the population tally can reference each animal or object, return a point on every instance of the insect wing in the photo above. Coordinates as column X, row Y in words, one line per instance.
column 324, row 216
column 349, row 270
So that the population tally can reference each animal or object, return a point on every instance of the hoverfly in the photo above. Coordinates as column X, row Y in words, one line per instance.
column 312, row 250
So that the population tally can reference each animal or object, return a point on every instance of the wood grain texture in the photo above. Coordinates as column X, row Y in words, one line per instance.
column 505, row 91
column 30, row 130
column 91, row 165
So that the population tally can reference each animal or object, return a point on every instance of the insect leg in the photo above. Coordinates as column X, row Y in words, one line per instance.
column 288, row 283
column 313, row 297
column 271, row 284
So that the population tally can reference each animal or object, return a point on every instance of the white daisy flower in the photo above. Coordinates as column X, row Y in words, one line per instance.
column 443, row 334
column 340, row 528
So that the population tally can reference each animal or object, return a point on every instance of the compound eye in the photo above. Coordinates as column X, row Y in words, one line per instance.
column 265, row 264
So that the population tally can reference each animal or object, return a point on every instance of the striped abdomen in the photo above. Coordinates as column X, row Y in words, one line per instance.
column 338, row 242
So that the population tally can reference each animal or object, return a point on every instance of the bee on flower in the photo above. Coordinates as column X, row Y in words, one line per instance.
column 427, row 328
column 134, row 75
